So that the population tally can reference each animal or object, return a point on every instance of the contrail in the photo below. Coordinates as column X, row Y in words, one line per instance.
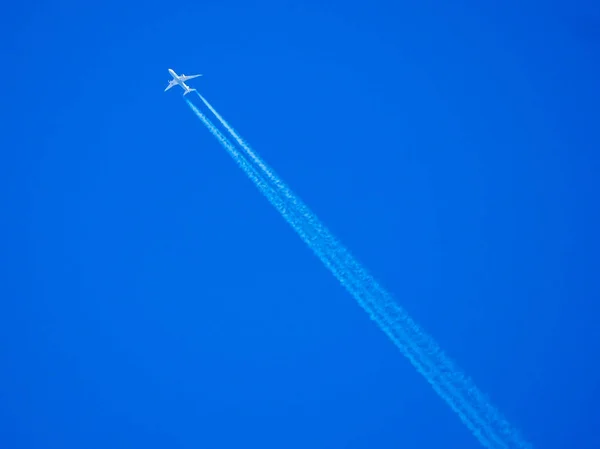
column 472, row 407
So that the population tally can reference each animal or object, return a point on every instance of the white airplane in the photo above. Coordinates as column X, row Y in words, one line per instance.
column 181, row 81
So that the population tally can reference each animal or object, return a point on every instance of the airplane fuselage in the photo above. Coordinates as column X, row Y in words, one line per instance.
column 181, row 83
column 179, row 80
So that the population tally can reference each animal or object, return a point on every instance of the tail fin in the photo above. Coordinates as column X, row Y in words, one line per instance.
column 188, row 91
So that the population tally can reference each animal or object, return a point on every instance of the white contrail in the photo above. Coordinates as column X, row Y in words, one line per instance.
column 488, row 426
column 484, row 413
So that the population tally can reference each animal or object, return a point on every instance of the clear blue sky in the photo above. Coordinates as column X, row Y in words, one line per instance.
column 152, row 298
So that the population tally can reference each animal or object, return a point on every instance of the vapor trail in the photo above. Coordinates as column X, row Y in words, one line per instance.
column 476, row 412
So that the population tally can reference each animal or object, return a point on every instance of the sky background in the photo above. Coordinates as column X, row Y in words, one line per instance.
column 152, row 298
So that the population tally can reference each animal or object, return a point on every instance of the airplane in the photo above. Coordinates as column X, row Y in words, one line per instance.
column 181, row 81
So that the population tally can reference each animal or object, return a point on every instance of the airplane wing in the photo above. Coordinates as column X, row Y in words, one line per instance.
column 171, row 84
column 188, row 77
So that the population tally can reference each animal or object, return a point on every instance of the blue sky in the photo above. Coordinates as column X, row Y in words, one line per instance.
column 152, row 298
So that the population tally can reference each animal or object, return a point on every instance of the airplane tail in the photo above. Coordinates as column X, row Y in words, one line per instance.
column 188, row 91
